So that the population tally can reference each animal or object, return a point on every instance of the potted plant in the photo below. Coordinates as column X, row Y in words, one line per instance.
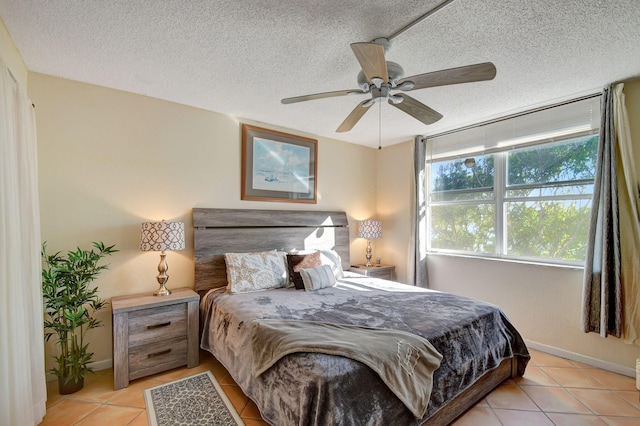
column 70, row 305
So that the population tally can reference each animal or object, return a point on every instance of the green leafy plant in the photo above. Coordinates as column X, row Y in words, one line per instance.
column 70, row 305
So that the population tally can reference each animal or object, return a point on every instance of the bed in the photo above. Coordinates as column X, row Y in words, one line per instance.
column 478, row 347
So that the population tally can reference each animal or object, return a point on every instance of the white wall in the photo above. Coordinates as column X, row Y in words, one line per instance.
column 543, row 302
column 109, row 160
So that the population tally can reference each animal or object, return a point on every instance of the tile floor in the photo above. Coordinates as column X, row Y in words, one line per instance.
column 553, row 391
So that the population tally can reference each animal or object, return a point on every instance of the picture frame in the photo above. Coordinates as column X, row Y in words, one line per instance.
column 278, row 166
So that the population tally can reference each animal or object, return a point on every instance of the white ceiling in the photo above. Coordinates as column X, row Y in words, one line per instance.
column 240, row 57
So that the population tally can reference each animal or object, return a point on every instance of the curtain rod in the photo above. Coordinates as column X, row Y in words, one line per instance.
column 518, row 114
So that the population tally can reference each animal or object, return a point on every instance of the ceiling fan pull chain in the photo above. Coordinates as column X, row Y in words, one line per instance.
column 380, row 126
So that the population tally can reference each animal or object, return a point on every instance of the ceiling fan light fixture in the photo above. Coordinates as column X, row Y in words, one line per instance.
column 395, row 99
column 368, row 103
column 407, row 85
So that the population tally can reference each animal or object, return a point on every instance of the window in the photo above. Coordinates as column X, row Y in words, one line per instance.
column 527, row 201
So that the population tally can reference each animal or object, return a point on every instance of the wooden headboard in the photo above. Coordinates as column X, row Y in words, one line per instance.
column 219, row 231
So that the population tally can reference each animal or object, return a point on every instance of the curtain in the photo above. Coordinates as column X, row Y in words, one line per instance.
column 22, row 375
column 629, row 198
column 602, row 291
column 419, row 215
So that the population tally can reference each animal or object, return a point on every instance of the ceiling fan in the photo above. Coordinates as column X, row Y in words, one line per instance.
column 382, row 79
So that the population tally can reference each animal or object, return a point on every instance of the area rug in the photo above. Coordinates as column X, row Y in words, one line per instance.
column 194, row 400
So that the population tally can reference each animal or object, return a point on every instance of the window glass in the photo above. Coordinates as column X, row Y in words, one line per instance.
column 462, row 179
column 556, row 162
column 548, row 229
column 527, row 203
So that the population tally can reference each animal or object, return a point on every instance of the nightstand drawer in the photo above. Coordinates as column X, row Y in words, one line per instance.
column 154, row 324
column 155, row 357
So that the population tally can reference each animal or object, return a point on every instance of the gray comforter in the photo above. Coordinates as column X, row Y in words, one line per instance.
column 321, row 389
column 404, row 361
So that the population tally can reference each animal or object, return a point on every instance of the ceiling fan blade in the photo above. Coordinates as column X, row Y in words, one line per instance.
column 321, row 96
column 372, row 61
column 416, row 109
column 466, row 74
column 354, row 117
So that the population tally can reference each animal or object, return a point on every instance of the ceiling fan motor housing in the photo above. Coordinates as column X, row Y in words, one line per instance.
column 394, row 70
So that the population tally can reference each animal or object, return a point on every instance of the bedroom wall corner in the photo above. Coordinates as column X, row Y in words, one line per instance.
column 109, row 160
column 394, row 180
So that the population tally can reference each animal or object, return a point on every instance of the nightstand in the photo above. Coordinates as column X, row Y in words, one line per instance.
column 153, row 334
column 386, row 272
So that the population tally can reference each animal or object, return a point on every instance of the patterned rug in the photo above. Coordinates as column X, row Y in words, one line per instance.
column 195, row 400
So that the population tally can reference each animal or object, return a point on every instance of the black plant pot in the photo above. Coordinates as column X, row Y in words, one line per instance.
column 69, row 387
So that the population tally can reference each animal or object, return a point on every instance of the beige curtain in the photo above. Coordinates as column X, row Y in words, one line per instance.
column 629, row 201
column 22, row 378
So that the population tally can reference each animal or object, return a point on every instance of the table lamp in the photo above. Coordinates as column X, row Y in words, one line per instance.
column 369, row 229
column 162, row 236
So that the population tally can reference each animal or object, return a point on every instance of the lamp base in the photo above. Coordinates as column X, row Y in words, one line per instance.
column 368, row 255
column 162, row 277
column 162, row 291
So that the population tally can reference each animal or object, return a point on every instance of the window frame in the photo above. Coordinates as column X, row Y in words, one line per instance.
column 500, row 199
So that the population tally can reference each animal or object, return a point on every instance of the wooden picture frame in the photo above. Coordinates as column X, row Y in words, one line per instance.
column 278, row 166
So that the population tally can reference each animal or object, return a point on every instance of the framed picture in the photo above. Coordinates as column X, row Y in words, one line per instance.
column 277, row 166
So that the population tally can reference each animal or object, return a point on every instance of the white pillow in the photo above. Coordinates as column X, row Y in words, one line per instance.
column 318, row 277
column 247, row 272
column 332, row 258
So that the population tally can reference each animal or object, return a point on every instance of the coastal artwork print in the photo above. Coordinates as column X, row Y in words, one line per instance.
column 280, row 166
column 277, row 166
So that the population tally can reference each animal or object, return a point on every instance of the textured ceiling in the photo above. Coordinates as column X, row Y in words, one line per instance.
column 240, row 57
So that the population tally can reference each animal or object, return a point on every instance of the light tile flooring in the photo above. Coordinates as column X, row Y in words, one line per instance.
column 553, row 391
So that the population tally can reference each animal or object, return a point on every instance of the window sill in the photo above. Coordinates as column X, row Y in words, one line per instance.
column 509, row 260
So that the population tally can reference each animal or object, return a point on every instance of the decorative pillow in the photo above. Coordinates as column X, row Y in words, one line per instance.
column 332, row 258
column 300, row 260
column 285, row 273
column 318, row 277
column 247, row 272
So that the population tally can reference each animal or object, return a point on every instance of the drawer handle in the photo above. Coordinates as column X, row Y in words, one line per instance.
column 166, row 351
column 164, row 324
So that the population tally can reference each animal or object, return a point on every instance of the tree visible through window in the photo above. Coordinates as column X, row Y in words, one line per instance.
column 529, row 203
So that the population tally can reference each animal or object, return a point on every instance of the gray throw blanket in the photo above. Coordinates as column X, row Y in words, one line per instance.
column 404, row 361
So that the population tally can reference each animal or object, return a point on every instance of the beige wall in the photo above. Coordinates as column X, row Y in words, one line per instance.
column 543, row 302
column 394, row 188
column 109, row 160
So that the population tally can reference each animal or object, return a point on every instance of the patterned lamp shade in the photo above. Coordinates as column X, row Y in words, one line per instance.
column 161, row 236
column 370, row 229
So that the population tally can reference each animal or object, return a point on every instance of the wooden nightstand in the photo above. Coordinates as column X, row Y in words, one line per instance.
column 386, row 272
column 153, row 334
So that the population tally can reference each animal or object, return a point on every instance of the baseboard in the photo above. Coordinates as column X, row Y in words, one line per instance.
column 96, row 366
column 594, row 362
column 105, row 364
